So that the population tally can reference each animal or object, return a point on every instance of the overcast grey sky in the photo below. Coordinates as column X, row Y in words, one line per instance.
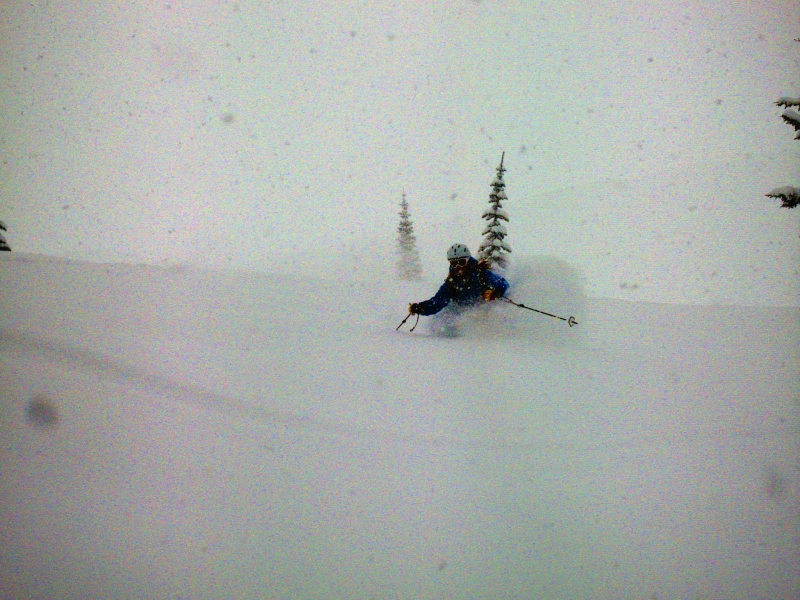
column 640, row 137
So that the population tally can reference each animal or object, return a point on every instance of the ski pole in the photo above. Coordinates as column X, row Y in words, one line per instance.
column 571, row 321
column 406, row 319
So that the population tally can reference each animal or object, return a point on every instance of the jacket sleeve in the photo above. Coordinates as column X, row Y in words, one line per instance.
column 497, row 283
column 435, row 304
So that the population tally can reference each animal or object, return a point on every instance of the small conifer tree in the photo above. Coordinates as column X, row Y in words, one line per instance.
column 408, row 264
column 4, row 247
column 788, row 194
column 493, row 249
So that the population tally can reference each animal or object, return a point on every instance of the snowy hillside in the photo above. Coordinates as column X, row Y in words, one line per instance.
column 178, row 433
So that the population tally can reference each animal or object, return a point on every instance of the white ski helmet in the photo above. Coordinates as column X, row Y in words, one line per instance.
column 458, row 251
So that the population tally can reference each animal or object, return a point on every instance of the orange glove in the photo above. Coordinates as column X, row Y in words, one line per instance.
column 489, row 295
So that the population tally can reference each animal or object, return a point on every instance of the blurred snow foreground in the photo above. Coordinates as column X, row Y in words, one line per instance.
column 177, row 433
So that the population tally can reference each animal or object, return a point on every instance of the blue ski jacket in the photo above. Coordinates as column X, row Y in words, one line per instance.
column 464, row 290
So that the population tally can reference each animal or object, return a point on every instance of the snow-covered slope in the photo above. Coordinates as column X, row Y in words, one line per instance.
column 175, row 433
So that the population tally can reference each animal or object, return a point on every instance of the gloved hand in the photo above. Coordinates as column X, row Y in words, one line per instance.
column 413, row 308
column 489, row 295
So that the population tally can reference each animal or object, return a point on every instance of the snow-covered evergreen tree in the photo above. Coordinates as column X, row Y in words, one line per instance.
column 493, row 249
column 408, row 264
column 3, row 244
column 788, row 194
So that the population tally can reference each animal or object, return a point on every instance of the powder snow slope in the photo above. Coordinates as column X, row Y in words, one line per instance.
column 197, row 434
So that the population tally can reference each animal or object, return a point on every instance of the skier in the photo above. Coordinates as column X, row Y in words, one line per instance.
column 467, row 283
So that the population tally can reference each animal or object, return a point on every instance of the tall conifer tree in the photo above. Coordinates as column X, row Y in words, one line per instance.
column 408, row 264
column 493, row 249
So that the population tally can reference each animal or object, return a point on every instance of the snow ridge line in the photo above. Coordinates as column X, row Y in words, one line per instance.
column 93, row 362
column 26, row 345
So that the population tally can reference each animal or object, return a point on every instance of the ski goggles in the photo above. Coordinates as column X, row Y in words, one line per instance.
column 459, row 262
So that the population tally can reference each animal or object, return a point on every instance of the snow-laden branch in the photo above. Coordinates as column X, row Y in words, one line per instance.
column 787, row 101
column 496, row 229
column 792, row 118
column 495, row 213
column 788, row 194
column 494, row 245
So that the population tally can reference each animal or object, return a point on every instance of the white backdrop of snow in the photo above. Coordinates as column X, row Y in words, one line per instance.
column 247, row 436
